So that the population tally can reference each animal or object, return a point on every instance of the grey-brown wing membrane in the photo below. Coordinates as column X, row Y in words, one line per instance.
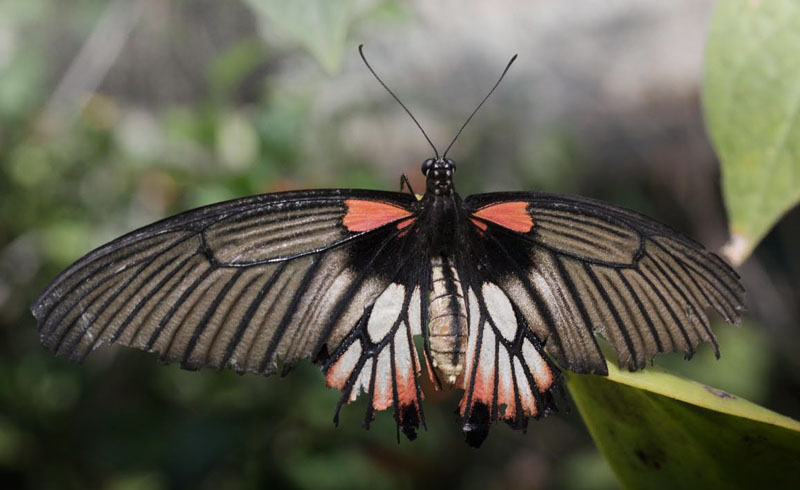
column 252, row 284
column 587, row 268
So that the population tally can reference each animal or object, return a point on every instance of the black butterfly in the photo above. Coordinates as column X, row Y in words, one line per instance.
column 496, row 284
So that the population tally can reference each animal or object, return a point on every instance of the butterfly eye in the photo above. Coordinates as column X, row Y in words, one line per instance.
column 450, row 163
column 427, row 165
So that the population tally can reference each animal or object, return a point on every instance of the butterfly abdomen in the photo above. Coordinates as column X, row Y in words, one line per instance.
column 448, row 321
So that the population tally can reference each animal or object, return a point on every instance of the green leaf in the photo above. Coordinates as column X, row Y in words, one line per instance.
column 751, row 98
column 658, row 430
column 320, row 26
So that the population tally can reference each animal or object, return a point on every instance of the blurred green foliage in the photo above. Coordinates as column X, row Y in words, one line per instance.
column 752, row 103
column 320, row 26
column 244, row 119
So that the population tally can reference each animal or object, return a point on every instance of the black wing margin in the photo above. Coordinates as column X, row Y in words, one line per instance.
column 585, row 268
column 254, row 284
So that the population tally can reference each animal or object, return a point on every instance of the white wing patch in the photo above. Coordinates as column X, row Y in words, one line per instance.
column 505, row 385
column 382, row 398
column 500, row 310
column 385, row 312
column 415, row 313
column 536, row 363
column 505, row 370
column 384, row 362
column 363, row 380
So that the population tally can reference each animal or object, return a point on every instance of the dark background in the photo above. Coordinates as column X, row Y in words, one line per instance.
column 115, row 114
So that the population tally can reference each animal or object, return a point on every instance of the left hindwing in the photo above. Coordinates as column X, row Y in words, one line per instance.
column 575, row 267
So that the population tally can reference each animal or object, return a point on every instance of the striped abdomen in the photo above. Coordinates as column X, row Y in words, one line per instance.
column 448, row 321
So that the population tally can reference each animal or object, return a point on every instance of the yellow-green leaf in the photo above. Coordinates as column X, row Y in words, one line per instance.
column 658, row 430
column 751, row 97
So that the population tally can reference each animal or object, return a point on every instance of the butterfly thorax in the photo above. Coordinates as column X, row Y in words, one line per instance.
column 441, row 205
column 439, row 174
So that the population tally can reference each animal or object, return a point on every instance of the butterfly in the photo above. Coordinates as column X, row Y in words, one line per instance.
column 505, row 289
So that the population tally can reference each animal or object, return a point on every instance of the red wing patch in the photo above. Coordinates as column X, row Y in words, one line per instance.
column 365, row 215
column 406, row 222
column 480, row 224
column 512, row 215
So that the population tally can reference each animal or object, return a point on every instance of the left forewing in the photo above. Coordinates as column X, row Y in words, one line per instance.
column 255, row 284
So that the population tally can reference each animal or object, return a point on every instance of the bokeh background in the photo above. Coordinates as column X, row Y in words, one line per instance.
column 115, row 114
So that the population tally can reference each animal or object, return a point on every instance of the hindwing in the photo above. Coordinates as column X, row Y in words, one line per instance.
column 507, row 375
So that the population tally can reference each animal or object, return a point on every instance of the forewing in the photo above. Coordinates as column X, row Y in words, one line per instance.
column 577, row 267
column 254, row 284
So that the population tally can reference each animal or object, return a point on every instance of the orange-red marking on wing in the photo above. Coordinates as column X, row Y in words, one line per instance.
column 406, row 222
column 505, row 384
column 382, row 398
column 365, row 215
column 512, row 215
column 340, row 371
column 529, row 407
column 483, row 386
column 479, row 224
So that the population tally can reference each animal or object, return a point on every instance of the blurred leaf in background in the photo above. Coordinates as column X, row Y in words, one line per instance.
column 752, row 106
column 319, row 26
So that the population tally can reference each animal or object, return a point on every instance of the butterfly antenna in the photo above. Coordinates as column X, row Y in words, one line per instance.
column 479, row 105
column 361, row 52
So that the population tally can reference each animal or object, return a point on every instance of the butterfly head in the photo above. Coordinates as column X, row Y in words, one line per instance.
column 439, row 173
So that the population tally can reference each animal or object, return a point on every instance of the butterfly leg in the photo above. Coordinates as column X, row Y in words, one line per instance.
column 405, row 182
